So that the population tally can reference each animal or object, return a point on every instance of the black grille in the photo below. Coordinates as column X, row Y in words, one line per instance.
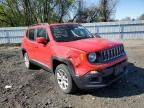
column 112, row 53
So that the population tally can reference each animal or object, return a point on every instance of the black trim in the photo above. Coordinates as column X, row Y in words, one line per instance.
column 40, row 65
column 67, row 62
column 71, row 70
column 90, row 81
column 83, row 82
column 87, row 81
column 100, row 60
column 37, row 63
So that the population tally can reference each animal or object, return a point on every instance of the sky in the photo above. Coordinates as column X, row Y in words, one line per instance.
column 125, row 8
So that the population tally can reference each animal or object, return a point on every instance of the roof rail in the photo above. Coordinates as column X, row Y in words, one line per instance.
column 39, row 24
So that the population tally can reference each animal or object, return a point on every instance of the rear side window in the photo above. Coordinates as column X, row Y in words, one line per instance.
column 27, row 33
column 41, row 32
column 31, row 35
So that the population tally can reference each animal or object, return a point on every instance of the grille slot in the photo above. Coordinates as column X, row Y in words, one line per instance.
column 112, row 53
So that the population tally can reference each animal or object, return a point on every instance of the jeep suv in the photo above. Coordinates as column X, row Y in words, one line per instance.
column 77, row 58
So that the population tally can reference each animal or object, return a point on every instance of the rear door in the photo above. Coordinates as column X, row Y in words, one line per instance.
column 31, row 43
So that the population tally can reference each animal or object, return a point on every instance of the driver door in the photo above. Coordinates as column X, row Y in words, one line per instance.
column 43, row 50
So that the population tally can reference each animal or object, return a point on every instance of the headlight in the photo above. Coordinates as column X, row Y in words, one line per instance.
column 92, row 57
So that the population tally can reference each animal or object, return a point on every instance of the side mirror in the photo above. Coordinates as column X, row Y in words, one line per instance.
column 41, row 40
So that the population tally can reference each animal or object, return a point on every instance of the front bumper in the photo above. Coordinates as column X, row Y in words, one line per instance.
column 102, row 78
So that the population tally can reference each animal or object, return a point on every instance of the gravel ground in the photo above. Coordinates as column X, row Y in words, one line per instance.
column 36, row 88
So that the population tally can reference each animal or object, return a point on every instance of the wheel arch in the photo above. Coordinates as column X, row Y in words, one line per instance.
column 58, row 60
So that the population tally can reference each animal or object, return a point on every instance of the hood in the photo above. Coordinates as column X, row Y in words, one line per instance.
column 90, row 44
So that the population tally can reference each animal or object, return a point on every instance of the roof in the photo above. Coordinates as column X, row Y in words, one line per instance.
column 59, row 24
column 54, row 24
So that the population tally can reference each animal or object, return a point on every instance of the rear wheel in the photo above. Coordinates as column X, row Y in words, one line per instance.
column 64, row 79
column 28, row 64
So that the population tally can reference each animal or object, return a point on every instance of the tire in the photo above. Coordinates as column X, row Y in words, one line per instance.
column 64, row 79
column 28, row 64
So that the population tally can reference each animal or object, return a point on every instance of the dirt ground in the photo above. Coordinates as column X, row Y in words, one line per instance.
column 36, row 88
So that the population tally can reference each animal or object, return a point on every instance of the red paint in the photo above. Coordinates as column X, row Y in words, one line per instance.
column 69, row 51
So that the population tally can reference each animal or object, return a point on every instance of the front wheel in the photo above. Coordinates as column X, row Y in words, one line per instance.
column 64, row 79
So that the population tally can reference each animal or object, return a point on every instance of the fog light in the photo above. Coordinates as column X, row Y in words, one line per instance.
column 93, row 72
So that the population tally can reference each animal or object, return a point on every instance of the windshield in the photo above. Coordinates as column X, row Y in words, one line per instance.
column 70, row 33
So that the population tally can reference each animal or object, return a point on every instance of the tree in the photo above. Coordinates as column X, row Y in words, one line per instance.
column 27, row 12
column 141, row 17
column 96, row 13
column 106, row 9
column 89, row 15
column 63, row 9
column 10, row 13
column 126, row 19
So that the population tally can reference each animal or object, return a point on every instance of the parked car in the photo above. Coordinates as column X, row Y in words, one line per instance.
column 76, row 57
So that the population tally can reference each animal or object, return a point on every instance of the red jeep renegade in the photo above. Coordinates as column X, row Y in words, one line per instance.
column 76, row 57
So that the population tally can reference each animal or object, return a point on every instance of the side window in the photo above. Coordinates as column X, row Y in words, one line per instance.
column 31, row 35
column 41, row 32
column 27, row 33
